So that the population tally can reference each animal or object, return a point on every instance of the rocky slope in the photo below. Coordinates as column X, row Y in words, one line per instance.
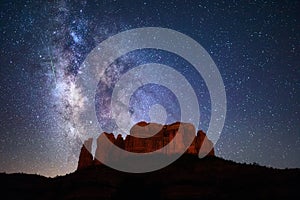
column 187, row 178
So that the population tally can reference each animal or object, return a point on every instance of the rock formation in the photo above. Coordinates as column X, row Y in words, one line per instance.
column 85, row 157
column 148, row 137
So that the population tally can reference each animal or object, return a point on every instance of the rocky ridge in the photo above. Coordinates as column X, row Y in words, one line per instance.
column 148, row 137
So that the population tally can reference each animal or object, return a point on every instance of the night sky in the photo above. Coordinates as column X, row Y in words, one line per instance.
column 255, row 45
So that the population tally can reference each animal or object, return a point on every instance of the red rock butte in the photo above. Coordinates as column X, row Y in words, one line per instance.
column 148, row 137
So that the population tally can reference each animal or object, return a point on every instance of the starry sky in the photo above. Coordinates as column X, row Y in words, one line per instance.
column 255, row 45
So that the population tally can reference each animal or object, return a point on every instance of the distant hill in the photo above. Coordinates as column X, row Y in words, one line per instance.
column 187, row 178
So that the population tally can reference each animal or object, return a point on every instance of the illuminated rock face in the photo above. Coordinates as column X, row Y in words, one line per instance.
column 156, row 136
column 149, row 137
column 85, row 157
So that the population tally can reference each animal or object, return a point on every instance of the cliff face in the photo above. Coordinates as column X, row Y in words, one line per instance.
column 85, row 157
column 145, row 138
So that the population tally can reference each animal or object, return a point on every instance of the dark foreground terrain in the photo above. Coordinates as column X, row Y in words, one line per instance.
column 187, row 178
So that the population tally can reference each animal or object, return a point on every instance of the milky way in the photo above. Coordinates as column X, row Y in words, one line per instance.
column 43, row 45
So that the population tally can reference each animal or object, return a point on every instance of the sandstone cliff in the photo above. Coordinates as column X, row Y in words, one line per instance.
column 148, row 137
column 85, row 157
